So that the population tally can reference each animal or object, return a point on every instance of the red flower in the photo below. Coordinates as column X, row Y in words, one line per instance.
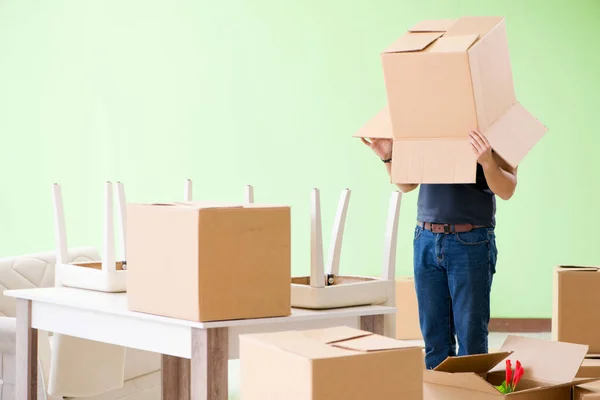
column 508, row 373
column 519, row 371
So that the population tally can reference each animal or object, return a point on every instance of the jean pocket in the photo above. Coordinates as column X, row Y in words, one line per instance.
column 418, row 231
column 473, row 238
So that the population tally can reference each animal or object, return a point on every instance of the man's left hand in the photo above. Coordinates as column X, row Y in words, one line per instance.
column 481, row 148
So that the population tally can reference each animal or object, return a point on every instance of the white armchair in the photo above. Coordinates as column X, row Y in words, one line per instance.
column 142, row 369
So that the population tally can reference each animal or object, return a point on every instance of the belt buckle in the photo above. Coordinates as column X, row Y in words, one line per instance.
column 447, row 228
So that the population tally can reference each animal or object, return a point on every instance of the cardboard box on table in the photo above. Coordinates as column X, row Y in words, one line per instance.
column 329, row 364
column 444, row 78
column 407, row 317
column 209, row 261
column 550, row 369
column 576, row 305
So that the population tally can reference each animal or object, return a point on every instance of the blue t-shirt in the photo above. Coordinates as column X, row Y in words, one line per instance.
column 458, row 203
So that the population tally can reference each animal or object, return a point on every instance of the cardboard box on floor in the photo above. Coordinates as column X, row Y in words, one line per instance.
column 550, row 369
column 209, row 261
column 587, row 391
column 407, row 318
column 329, row 364
column 590, row 368
column 444, row 78
column 576, row 301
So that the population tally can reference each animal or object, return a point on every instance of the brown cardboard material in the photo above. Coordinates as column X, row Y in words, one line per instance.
column 444, row 78
column 576, row 301
column 550, row 369
column 329, row 364
column 407, row 318
column 590, row 368
column 209, row 261
column 587, row 391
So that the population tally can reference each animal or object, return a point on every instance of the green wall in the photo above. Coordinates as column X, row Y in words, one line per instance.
column 268, row 92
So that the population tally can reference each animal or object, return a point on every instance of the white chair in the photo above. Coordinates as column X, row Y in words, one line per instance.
column 142, row 369
column 107, row 275
column 322, row 290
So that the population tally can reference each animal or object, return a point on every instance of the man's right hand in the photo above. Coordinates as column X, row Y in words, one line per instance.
column 381, row 147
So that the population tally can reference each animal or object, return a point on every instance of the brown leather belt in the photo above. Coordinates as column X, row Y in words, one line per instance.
column 448, row 228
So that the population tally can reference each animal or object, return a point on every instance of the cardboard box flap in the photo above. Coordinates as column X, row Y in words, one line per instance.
column 479, row 364
column 545, row 360
column 436, row 25
column 335, row 334
column 453, row 44
column 411, row 42
column 295, row 342
column 556, row 386
column 198, row 205
column 380, row 126
column 433, row 161
column 577, row 268
column 373, row 343
column 467, row 380
column 514, row 134
column 470, row 25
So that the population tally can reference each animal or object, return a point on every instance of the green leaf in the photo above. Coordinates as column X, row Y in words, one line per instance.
column 503, row 388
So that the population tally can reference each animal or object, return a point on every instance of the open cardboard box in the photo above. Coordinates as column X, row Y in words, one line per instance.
column 575, row 305
column 444, row 78
column 550, row 370
column 329, row 364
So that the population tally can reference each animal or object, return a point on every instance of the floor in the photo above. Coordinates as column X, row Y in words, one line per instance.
column 495, row 342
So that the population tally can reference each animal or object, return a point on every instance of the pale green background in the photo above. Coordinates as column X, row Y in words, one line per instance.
column 268, row 92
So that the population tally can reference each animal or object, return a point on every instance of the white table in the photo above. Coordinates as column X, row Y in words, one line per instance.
column 195, row 354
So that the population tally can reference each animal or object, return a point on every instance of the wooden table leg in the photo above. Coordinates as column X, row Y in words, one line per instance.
column 372, row 323
column 26, row 353
column 175, row 378
column 210, row 356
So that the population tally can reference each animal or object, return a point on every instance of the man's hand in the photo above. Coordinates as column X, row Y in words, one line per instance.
column 381, row 147
column 481, row 148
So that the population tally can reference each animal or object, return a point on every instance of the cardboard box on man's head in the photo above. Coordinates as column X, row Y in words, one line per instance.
column 443, row 79
column 550, row 370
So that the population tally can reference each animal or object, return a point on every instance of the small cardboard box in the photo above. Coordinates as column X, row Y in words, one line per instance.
column 329, row 364
column 550, row 369
column 209, row 261
column 407, row 318
column 575, row 305
column 587, row 391
column 444, row 78
column 590, row 368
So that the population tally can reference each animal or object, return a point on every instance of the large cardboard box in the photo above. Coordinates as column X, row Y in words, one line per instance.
column 587, row 391
column 209, row 261
column 443, row 79
column 590, row 368
column 329, row 364
column 576, row 301
column 407, row 318
column 550, row 369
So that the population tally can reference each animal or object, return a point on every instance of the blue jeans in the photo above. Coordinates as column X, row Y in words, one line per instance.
column 453, row 280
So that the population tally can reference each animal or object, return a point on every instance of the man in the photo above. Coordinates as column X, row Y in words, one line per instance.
column 455, row 252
